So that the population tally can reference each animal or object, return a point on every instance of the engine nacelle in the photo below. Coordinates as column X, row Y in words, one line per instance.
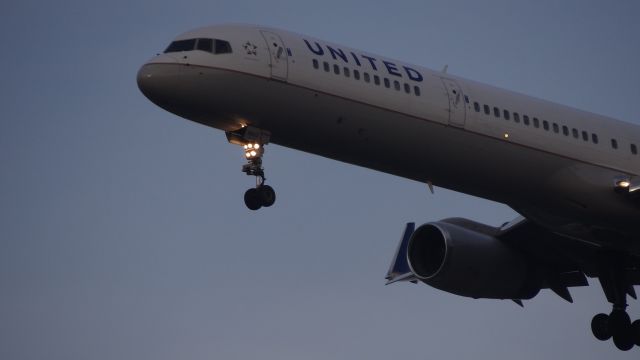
column 452, row 256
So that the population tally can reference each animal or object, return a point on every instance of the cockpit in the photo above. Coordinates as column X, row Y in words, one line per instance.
column 213, row 46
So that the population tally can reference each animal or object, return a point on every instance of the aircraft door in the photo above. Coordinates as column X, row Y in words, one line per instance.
column 457, row 108
column 278, row 54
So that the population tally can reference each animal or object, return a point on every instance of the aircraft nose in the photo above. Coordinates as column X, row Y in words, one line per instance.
column 161, row 83
column 174, row 87
column 147, row 80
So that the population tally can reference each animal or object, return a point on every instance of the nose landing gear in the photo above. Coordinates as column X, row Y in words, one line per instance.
column 261, row 195
column 253, row 141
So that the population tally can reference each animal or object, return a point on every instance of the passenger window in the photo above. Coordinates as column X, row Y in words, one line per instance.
column 336, row 69
column 222, row 47
column 516, row 117
column 356, row 74
column 346, row 71
column 416, row 90
column 634, row 149
column 496, row 112
column 407, row 88
column 536, row 122
column 556, row 128
column 545, row 125
column 506, row 114
column 574, row 131
column 387, row 83
column 594, row 138
column 476, row 106
column 205, row 45
column 181, row 45
column 316, row 64
column 466, row 99
column 326, row 66
column 376, row 79
column 396, row 85
column 565, row 130
column 486, row 109
column 614, row 143
column 366, row 77
column 585, row 136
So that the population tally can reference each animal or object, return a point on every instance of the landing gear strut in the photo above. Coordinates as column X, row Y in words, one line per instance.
column 617, row 324
column 253, row 141
column 261, row 195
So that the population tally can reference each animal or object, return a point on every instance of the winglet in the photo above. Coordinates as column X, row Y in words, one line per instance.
column 399, row 268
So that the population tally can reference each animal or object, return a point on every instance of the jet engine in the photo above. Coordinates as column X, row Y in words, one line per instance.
column 463, row 257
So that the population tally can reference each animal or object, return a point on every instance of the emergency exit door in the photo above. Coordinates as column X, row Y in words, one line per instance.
column 278, row 55
column 457, row 108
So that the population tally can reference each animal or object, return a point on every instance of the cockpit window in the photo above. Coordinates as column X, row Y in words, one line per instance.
column 205, row 45
column 214, row 46
column 222, row 47
column 181, row 45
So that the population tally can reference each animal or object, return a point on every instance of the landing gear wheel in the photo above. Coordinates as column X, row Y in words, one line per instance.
column 623, row 340
column 619, row 322
column 620, row 325
column 267, row 195
column 600, row 327
column 252, row 199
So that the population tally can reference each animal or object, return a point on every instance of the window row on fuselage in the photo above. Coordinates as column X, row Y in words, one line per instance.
column 546, row 125
column 366, row 77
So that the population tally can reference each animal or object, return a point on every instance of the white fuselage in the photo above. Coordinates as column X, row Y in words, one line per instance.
column 554, row 164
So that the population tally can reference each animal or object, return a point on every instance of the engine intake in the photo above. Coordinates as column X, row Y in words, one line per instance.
column 463, row 258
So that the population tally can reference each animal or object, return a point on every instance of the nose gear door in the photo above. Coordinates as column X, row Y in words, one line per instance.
column 278, row 55
column 457, row 108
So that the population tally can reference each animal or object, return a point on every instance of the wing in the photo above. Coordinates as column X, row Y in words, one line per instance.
column 561, row 261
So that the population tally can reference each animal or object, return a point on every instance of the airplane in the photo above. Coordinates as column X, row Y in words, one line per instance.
column 573, row 176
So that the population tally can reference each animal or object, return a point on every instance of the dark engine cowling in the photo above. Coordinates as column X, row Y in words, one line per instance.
column 454, row 256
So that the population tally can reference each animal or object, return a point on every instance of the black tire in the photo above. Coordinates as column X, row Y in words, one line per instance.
column 635, row 332
column 267, row 195
column 619, row 322
column 623, row 340
column 600, row 327
column 252, row 199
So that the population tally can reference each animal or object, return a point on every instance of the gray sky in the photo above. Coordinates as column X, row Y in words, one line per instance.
column 123, row 234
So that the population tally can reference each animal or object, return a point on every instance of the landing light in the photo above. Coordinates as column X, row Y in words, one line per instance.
column 252, row 150
column 506, row 135
column 623, row 184
column 252, row 146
